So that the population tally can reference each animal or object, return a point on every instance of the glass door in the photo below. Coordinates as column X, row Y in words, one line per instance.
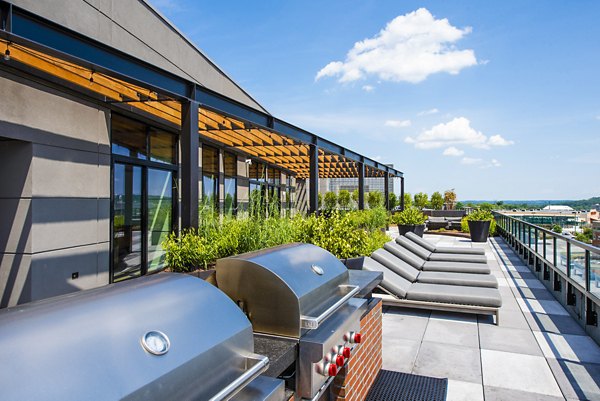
column 160, row 215
column 127, row 221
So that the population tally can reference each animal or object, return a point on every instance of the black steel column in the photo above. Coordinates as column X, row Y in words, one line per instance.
column 401, row 193
column 189, row 164
column 313, row 180
column 386, row 190
column 361, row 186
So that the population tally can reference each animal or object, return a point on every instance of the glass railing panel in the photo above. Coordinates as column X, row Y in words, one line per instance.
column 561, row 254
column 577, row 264
column 594, row 266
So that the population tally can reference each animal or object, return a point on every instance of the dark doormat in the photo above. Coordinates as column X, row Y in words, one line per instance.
column 396, row 386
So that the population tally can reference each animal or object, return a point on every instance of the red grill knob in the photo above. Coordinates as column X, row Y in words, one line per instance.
column 332, row 370
column 346, row 352
column 357, row 338
column 339, row 360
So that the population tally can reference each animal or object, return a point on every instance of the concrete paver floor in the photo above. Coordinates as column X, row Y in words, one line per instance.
column 538, row 352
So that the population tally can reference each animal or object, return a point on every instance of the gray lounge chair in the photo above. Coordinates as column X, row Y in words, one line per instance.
column 408, row 272
column 435, row 223
column 453, row 298
column 438, row 257
column 418, row 263
column 440, row 249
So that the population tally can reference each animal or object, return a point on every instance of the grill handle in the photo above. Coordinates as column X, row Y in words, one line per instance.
column 312, row 322
column 259, row 365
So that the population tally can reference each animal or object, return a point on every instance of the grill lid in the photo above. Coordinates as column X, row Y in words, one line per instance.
column 165, row 336
column 286, row 289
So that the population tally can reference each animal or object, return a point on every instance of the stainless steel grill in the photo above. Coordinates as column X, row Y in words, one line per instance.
column 166, row 336
column 299, row 291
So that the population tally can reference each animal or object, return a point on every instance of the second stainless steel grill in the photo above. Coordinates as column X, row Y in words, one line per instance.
column 299, row 291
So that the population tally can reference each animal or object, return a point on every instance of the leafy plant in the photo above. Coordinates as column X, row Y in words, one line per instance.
column 421, row 200
column 437, row 202
column 392, row 200
column 355, row 196
column 479, row 215
column 187, row 251
column 557, row 229
column 407, row 200
column 375, row 199
column 409, row 216
column 330, row 201
column 319, row 201
column 344, row 199
column 370, row 220
column 450, row 199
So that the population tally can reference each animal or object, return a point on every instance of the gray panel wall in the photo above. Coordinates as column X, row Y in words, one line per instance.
column 54, row 193
column 132, row 27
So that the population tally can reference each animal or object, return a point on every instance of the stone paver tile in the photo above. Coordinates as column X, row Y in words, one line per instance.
column 577, row 380
column 509, row 340
column 518, row 372
column 407, row 327
column 455, row 317
column 399, row 354
column 553, row 323
column 504, row 394
column 464, row 391
column 452, row 332
column 543, row 306
column 568, row 346
column 535, row 293
column 508, row 318
column 534, row 283
column 451, row 361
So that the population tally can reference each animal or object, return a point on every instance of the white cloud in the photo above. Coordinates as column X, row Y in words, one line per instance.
column 497, row 140
column 398, row 123
column 427, row 112
column 458, row 131
column 453, row 151
column 368, row 88
column 496, row 163
column 410, row 48
column 470, row 161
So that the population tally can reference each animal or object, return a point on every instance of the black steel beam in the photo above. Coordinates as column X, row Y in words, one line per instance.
column 386, row 190
column 313, row 187
column 361, row 186
column 190, row 142
column 401, row 193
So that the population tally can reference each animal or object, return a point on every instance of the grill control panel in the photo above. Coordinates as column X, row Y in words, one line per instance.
column 339, row 355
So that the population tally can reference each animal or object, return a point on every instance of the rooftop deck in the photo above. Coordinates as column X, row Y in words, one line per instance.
column 538, row 352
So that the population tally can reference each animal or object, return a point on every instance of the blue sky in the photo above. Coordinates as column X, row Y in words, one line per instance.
column 499, row 100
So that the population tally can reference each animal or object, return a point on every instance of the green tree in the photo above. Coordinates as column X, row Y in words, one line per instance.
column 392, row 200
column 319, row 201
column 437, row 201
column 421, row 200
column 355, row 196
column 486, row 206
column 407, row 200
column 375, row 199
column 557, row 229
column 459, row 205
column 344, row 199
column 330, row 201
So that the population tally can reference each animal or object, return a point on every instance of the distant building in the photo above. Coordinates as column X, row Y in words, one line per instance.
column 596, row 229
column 372, row 184
column 558, row 208
column 592, row 215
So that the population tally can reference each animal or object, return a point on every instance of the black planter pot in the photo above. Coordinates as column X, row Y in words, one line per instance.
column 479, row 230
column 418, row 229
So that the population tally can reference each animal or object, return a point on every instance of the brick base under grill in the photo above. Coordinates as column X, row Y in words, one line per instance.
column 359, row 375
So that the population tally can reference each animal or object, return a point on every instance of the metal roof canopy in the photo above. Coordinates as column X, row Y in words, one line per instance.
column 36, row 33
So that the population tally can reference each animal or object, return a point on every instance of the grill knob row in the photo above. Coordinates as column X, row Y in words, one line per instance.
column 353, row 337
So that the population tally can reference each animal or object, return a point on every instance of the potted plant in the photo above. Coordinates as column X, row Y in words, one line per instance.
column 410, row 219
column 478, row 223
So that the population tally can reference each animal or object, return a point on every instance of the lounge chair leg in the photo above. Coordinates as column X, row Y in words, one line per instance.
column 497, row 317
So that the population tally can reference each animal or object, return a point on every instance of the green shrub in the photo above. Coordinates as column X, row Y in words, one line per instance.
column 409, row 216
column 421, row 200
column 437, row 201
column 557, row 229
column 392, row 200
column 330, row 201
column 370, row 220
column 479, row 215
column 375, row 199
column 344, row 199
column 407, row 200
column 187, row 251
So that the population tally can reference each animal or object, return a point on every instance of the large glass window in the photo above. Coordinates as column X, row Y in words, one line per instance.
column 230, row 195
column 210, row 176
column 143, row 191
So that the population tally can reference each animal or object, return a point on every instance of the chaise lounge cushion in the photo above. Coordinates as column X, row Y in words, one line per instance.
column 401, row 253
column 446, row 249
column 454, row 294
column 457, row 267
column 398, row 266
column 392, row 282
column 464, row 279
column 433, row 256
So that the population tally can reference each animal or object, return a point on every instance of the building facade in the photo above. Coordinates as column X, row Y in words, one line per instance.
column 111, row 137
